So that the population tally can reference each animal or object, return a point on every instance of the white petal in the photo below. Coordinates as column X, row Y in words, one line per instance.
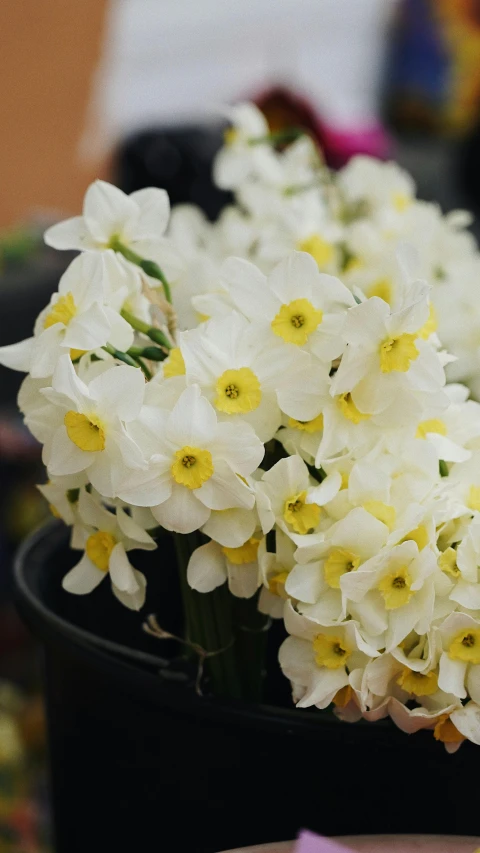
column 88, row 330
column 18, row 356
column 193, row 421
column 451, row 676
column 107, row 211
column 231, row 527
column 83, row 578
column 134, row 531
column 65, row 457
column 206, row 568
column 121, row 571
column 154, row 207
column 133, row 600
column 238, row 445
column 182, row 513
column 70, row 234
column 225, row 490
column 467, row 721
column 244, row 580
column 119, row 391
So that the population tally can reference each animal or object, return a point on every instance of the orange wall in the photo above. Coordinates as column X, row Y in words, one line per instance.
column 48, row 52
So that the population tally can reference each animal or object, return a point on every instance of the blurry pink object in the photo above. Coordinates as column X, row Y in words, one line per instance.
column 378, row 844
column 373, row 141
column 308, row 842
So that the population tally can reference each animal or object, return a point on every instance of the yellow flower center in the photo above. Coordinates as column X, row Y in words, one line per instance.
column 330, row 651
column 75, row 354
column 300, row 515
column 315, row 425
column 473, row 500
column 276, row 584
column 343, row 696
column 466, row 646
column 246, row 553
column 338, row 563
column 99, row 548
column 395, row 588
column 401, row 201
column 238, row 391
column 320, row 250
column 230, row 135
column 349, row 409
column 418, row 683
column 174, row 365
column 86, row 432
column 381, row 288
column 296, row 321
column 396, row 354
column 419, row 535
column 192, row 467
column 447, row 561
column 430, row 326
column 434, row 425
column 63, row 311
column 382, row 512
column 446, row 732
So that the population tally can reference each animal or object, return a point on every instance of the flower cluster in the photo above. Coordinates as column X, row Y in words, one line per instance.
column 275, row 381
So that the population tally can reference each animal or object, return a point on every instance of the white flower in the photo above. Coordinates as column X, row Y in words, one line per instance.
column 317, row 656
column 83, row 316
column 385, row 190
column 385, row 354
column 199, row 465
column 107, row 537
column 85, row 426
column 315, row 579
column 246, row 151
column 282, row 497
column 393, row 593
column 298, row 304
column 460, row 660
column 241, row 373
column 110, row 217
column 212, row 564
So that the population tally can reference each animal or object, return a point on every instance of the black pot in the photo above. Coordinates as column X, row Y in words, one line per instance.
column 139, row 761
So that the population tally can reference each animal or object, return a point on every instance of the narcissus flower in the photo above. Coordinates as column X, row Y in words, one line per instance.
column 212, row 564
column 83, row 316
column 200, row 465
column 106, row 538
column 87, row 424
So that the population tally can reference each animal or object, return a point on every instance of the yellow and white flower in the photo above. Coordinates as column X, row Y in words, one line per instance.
column 82, row 316
column 85, row 426
column 106, row 537
column 319, row 659
column 200, row 465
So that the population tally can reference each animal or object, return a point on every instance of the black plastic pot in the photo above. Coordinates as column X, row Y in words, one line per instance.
column 139, row 761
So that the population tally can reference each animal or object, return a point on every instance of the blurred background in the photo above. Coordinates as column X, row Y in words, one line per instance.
column 132, row 91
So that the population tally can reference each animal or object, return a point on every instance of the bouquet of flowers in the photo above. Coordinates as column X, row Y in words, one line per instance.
column 271, row 388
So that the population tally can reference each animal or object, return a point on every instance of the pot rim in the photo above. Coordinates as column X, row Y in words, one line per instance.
column 124, row 665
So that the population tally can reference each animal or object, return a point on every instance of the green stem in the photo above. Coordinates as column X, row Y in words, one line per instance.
column 152, row 353
column 443, row 468
column 151, row 268
column 122, row 356
column 208, row 623
column 251, row 635
column 278, row 137
column 153, row 333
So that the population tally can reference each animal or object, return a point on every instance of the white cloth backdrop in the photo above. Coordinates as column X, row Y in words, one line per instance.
column 171, row 61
